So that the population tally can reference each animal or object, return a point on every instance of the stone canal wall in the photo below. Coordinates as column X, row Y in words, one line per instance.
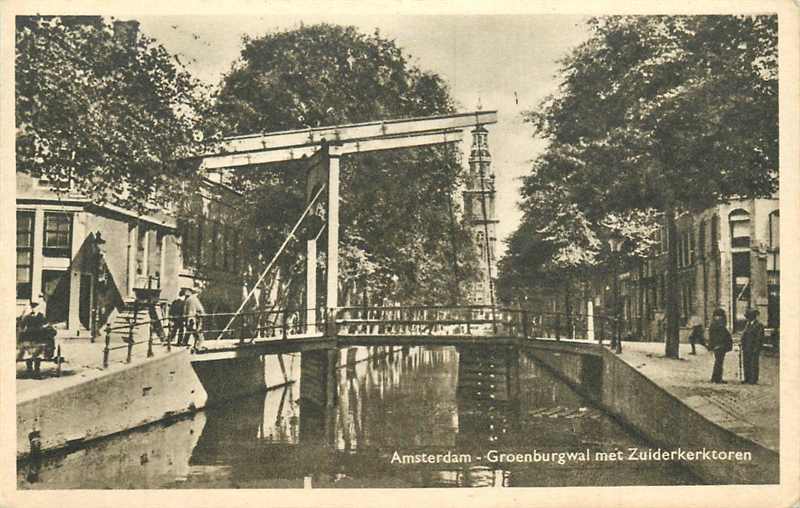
column 657, row 415
column 118, row 399
column 129, row 396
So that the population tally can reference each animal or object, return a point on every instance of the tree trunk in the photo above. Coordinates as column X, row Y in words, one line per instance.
column 671, row 290
column 640, row 301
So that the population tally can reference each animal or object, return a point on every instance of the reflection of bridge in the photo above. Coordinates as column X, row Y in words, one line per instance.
column 326, row 429
column 257, row 334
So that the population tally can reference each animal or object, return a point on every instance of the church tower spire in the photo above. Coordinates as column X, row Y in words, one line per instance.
column 479, row 208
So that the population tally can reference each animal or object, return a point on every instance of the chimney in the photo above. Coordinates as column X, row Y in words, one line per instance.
column 126, row 32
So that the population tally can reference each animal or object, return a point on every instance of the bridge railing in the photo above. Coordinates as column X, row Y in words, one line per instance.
column 243, row 327
column 433, row 320
column 429, row 320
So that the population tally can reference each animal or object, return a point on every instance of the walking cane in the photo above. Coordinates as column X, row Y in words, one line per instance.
column 740, row 372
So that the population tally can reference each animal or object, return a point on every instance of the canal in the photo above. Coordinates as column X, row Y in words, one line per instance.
column 411, row 417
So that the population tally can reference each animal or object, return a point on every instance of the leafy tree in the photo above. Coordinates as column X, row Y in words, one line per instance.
column 400, row 232
column 106, row 113
column 662, row 112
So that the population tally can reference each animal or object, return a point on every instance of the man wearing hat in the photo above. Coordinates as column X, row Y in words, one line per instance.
column 719, row 341
column 194, row 311
column 752, row 338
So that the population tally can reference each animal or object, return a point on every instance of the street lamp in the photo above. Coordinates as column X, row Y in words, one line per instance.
column 615, row 244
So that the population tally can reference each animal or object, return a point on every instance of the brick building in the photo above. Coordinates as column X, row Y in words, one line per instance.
column 728, row 257
column 88, row 260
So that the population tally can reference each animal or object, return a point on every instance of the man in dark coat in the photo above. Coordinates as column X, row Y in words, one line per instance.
column 752, row 338
column 177, row 315
column 720, row 342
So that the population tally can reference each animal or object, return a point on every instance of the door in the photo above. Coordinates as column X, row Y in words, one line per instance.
column 85, row 301
column 55, row 286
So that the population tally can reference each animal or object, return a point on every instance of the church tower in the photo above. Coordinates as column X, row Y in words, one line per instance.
column 479, row 212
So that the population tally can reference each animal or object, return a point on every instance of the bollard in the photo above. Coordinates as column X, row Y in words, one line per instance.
column 58, row 361
column 108, row 343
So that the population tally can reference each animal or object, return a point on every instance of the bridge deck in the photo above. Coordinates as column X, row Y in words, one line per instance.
column 221, row 349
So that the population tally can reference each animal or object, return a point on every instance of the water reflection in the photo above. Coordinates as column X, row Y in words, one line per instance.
column 347, row 419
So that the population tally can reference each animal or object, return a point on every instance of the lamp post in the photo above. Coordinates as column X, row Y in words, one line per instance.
column 97, row 268
column 615, row 244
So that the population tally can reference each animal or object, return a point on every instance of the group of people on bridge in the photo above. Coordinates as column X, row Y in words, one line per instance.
column 186, row 313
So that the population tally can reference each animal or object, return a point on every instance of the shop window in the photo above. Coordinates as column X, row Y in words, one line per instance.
column 57, row 235
column 25, row 222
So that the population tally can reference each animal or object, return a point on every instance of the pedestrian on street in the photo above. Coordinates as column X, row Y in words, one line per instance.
column 696, row 337
column 35, row 338
column 194, row 311
column 752, row 339
column 720, row 342
column 178, row 318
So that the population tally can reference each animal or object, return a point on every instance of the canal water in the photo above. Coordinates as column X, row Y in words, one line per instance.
column 412, row 417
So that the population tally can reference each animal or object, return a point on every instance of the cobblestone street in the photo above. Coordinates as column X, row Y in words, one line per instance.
column 748, row 410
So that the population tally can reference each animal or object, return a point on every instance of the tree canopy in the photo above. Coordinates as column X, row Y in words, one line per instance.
column 400, row 230
column 105, row 112
column 653, row 115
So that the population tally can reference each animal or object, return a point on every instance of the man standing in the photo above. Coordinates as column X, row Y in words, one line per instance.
column 720, row 342
column 752, row 338
column 176, row 314
column 194, row 311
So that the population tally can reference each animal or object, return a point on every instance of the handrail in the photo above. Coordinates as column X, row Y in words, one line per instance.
column 435, row 320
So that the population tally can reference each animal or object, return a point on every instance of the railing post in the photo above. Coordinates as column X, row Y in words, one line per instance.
column 169, row 336
column 241, row 329
column 558, row 326
column 525, row 324
column 108, row 343
column 130, row 341
column 284, row 323
column 150, row 343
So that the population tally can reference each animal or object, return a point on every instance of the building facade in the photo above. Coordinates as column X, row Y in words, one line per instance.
column 479, row 212
column 728, row 258
column 87, row 260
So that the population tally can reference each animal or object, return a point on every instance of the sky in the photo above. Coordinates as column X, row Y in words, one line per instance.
column 506, row 63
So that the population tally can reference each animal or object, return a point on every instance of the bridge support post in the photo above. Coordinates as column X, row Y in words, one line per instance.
column 332, row 272
column 311, row 286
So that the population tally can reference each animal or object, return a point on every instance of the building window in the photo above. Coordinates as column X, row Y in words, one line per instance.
column 715, row 234
column 701, row 241
column 740, row 228
column 57, row 235
column 774, row 230
column 25, row 222
column 773, row 272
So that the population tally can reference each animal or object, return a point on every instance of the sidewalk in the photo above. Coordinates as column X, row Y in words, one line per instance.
column 83, row 359
column 751, row 411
